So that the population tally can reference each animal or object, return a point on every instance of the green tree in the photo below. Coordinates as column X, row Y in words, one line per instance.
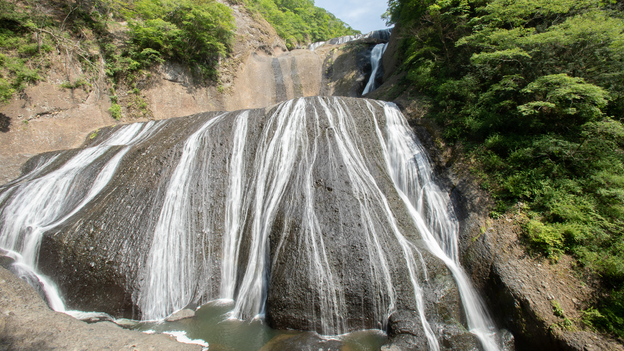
column 299, row 22
column 534, row 91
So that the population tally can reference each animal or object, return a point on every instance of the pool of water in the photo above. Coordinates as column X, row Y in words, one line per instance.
column 213, row 326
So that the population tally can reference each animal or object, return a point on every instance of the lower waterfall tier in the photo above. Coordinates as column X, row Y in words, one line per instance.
column 291, row 212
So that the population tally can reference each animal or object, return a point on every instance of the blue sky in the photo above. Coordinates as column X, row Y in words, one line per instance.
column 363, row 15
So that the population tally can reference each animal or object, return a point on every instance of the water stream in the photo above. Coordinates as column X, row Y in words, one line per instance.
column 382, row 34
column 432, row 212
column 323, row 212
column 34, row 205
column 301, row 142
column 376, row 56
column 171, row 275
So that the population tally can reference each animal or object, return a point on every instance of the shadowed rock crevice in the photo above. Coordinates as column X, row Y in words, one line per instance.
column 5, row 123
column 280, row 87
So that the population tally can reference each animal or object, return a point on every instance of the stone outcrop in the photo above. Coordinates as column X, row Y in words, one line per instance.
column 26, row 323
column 100, row 257
column 259, row 72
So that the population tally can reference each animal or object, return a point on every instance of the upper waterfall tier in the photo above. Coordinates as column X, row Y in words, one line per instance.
column 381, row 35
column 297, row 213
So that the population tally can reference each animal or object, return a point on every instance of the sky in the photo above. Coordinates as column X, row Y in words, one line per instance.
column 363, row 15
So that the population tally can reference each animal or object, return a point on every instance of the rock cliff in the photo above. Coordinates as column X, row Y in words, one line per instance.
column 539, row 301
column 259, row 72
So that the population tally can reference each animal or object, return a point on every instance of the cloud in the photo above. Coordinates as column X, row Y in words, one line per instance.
column 363, row 15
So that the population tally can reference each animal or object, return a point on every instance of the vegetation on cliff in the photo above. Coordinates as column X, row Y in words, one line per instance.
column 534, row 92
column 195, row 32
column 21, row 54
column 131, row 36
column 299, row 22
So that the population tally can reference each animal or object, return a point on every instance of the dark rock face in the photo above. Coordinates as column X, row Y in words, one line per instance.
column 390, row 59
column 317, row 221
column 5, row 123
column 26, row 323
column 346, row 69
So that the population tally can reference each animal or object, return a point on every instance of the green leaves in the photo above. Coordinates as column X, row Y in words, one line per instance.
column 562, row 96
column 499, row 56
column 195, row 32
column 548, row 238
column 522, row 12
column 526, row 86
column 21, row 53
column 185, row 30
column 300, row 22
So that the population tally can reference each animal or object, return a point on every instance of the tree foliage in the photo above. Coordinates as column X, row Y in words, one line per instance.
column 194, row 32
column 299, row 22
column 20, row 51
column 534, row 89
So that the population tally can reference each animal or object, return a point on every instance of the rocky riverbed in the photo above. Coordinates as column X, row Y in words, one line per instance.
column 26, row 323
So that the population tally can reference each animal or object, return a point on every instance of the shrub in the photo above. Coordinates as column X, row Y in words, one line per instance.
column 115, row 110
column 533, row 91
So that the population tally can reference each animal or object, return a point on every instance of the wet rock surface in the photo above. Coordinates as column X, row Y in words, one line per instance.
column 405, row 333
column 98, row 256
column 26, row 323
column 182, row 314
column 518, row 288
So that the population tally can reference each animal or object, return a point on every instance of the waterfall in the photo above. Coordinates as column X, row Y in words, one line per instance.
column 432, row 212
column 170, row 277
column 274, row 164
column 381, row 34
column 316, row 45
column 365, row 186
column 318, row 214
column 32, row 208
column 376, row 56
column 234, row 210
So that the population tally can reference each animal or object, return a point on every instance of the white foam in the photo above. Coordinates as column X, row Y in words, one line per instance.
column 181, row 337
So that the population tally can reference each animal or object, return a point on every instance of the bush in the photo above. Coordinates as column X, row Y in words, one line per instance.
column 533, row 91
column 18, row 49
column 299, row 22
column 194, row 32
column 115, row 111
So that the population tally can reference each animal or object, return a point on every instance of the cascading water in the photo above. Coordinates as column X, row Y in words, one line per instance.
column 382, row 34
column 316, row 45
column 321, row 215
column 432, row 212
column 234, row 210
column 33, row 205
column 376, row 56
column 171, row 273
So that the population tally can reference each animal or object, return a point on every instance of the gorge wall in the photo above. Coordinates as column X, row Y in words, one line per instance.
column 105, row 268
column 259, row 73
column 320, row 213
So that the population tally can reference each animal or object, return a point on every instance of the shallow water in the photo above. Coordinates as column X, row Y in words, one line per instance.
column 213, row 325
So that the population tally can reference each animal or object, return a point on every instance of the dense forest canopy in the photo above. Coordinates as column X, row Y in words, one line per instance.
column 533, row 90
